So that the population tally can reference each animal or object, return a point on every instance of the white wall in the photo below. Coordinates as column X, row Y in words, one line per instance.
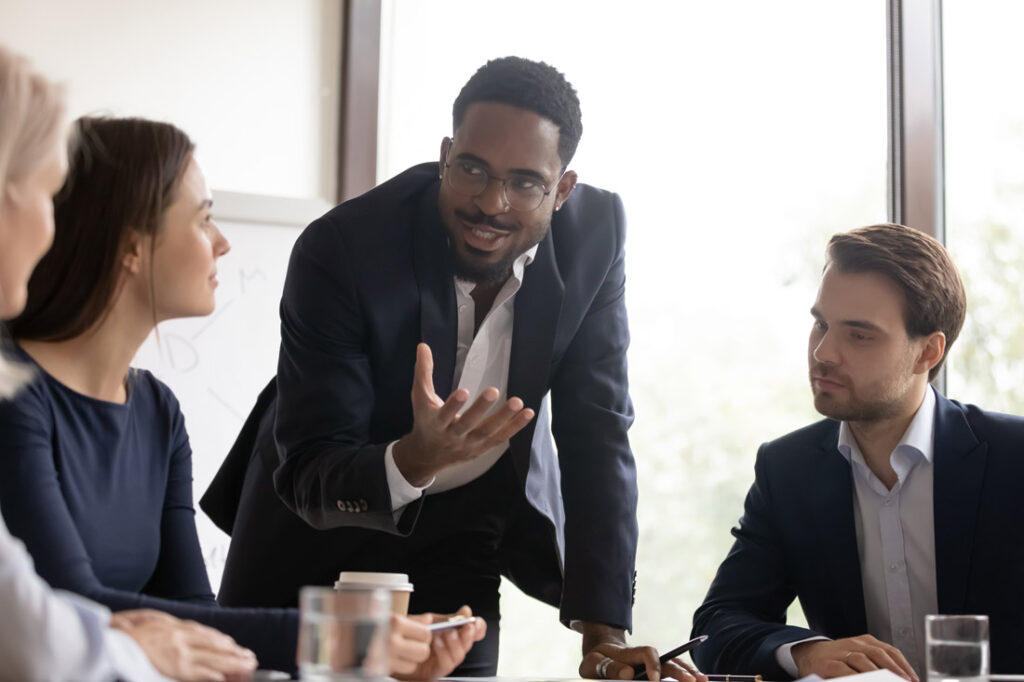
column 254, row 82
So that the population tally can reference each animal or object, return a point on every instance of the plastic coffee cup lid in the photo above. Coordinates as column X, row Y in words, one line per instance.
column 361, row 580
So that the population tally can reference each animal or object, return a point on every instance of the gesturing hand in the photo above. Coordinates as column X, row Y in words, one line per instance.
column 840, row 657
column 441, row 436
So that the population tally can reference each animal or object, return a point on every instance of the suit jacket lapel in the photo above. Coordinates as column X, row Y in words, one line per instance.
column 438, row 317
column 958, row 478
column 537, row 306
column 837, row 531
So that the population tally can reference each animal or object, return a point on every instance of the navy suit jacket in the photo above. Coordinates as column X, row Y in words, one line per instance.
column 371, row 279
column 797, row 539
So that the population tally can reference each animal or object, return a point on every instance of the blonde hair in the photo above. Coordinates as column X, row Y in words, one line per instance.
column 31, row 116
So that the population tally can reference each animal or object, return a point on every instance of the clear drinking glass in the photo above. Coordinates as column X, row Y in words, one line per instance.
column 343, row 636
column 957, row 648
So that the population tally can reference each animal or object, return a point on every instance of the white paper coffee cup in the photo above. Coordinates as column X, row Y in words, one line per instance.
column 397, row 583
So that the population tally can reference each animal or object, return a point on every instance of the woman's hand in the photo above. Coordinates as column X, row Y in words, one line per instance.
column 419, row 654
column 185, row 650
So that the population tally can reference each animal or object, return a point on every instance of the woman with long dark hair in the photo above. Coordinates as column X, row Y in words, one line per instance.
column 95, row 462
column 43, row 635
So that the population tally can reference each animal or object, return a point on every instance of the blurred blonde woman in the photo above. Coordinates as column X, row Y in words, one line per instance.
column 45, row 635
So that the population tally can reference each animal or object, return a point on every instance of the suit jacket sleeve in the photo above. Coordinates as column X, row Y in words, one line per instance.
column 744, row 612
column 326, row 394
column 591, row 413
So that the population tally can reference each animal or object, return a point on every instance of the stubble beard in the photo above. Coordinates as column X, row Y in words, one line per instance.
column 856, row 409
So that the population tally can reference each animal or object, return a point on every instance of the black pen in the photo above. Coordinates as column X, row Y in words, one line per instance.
column 734, row 678
column 641, row 670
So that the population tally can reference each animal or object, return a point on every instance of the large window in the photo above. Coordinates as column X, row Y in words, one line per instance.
column 985, row 197
column 740, row 136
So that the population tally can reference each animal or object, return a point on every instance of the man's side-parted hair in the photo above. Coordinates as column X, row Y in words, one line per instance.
column 529, row 85
column 933, row 293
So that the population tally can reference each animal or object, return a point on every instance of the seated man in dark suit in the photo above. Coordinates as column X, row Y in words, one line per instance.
column 427, row 326
column 901, row 504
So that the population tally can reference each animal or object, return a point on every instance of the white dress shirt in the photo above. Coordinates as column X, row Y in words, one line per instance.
column 50, row 636
column 895, row 537
column 481, row 361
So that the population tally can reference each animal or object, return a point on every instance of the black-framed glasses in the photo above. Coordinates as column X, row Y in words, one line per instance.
column 520, row 192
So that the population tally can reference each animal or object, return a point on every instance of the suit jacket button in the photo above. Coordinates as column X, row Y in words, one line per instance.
column 341, row 505
column 363, row 506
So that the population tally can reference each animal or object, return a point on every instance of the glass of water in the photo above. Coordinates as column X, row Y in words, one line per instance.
column 343, row 636
column 957, row 648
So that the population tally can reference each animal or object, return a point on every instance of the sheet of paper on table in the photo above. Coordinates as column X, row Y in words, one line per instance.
column 873, row 676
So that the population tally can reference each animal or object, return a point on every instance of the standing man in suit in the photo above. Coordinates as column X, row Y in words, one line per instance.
column 436, row 333
column 900, row 504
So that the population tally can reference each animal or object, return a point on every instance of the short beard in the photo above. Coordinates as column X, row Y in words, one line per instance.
column 482, row 274
column 493, row 273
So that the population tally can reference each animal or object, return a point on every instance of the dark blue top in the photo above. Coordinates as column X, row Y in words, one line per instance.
column 101, row 495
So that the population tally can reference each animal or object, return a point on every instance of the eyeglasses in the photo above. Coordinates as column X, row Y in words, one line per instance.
column 519, row 192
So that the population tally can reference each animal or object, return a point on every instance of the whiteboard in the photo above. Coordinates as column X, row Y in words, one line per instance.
column 217, row 365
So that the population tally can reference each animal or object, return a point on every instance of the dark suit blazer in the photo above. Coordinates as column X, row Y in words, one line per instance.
column 797, row 539
column 371, row 279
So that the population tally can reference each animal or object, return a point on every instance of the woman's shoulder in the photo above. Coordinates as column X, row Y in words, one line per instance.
column 146, row 389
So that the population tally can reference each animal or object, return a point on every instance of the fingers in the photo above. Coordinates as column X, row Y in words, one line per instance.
column 206, row 638
column 678, row 669
column 474, row 632
column 876, row 657
column 850, row 655
column 423, row 378
column 870, row 653
column 448, row 431
column 513, row 425
column 412, row 627
column 608, row 668
column 502, row 425
column 198, row 673
column 475, row 412
column 423, row 618
column 410, row 642
column 903, row 664
column 450, row 409
column 617, row 662
column 225, row 664
column 449, row 650
column 646, row 655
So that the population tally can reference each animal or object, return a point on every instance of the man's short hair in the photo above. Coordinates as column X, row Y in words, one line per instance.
column 525, row 84
column 933, row 293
